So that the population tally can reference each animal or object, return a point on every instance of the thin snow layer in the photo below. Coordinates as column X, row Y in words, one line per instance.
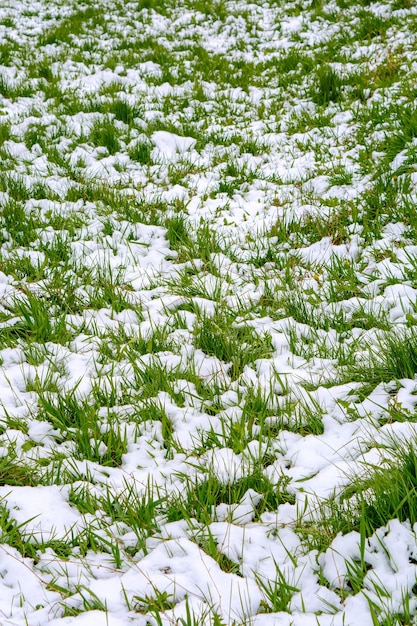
column 42, row 513
column 170, row 144
column 192, row 384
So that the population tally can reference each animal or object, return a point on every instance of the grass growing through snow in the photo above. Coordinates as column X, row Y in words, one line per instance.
column 248, row 290
column 235, row 344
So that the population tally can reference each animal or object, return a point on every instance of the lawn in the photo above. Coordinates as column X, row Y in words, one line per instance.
column 208, row 313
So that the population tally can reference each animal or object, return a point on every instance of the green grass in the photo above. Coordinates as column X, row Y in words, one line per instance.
column 384, row 492
column 34, row 322
column 103, row 134
column 13, row 473
column 70, row 27
column 327, row 86
column 392, row 358
column 235, row 345
column 277, row 594
column 140, row 152
column 200, row 498
column 155, row 312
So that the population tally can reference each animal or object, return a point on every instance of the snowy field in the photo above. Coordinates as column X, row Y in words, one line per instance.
column 208, row 312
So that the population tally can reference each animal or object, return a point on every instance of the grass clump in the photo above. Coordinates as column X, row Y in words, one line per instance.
column 103, row 134
column 14, row 473
column 140, row 152
column 70, row 27
column 178, row 232
column 234, row 344
column 405, row 132
column 201, row 498
column 392, row 358
column 385, row 492
column 123, row 111
column 371, row 25
column 328, row 86
column 277, row 593
column 97, row 439
column 35, row 322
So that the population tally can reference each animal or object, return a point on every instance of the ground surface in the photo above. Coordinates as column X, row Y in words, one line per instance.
column 208, row 285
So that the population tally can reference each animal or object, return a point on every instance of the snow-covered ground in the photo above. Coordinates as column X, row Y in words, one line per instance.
column 208, row 286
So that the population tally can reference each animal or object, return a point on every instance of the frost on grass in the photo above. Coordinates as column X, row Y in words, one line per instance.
column 208, row 285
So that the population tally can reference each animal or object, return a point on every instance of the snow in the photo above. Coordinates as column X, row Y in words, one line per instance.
column 42, row 513
column 170, row 144
column 103, row 561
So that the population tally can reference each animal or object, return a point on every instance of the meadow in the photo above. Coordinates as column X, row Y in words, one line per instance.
column 208, row 313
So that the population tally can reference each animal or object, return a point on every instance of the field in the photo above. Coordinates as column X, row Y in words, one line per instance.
column 208, row 313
